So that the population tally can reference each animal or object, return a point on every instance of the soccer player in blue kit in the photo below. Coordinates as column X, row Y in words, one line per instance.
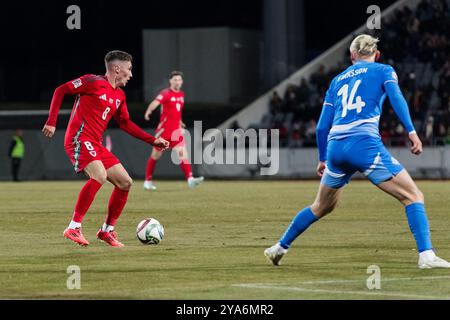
column 348, row 141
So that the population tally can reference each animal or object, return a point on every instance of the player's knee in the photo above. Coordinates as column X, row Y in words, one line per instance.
column 417, row 196
column 126, row 184
column 322, row 209
column 100, row 177
column 156, row 155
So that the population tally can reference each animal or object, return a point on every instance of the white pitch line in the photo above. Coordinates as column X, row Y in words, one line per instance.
column 299, row 289
column 382, row 280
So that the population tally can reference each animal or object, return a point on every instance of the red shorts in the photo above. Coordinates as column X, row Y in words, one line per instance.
column 175, row 137
column 86, row 151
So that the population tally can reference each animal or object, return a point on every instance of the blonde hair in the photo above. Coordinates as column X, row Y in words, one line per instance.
column 364, row 45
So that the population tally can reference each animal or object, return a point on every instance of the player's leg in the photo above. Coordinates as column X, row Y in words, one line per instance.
column 97, row 177
column 403, row 188
column 150, row 168
column 325, row 202
column 388, row 174
column 118, row 176
column 185, row 166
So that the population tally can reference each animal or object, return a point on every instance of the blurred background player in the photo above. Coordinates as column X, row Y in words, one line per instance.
column 16, row 153
column 170, row 128
column 98, row 99
column 348, row 141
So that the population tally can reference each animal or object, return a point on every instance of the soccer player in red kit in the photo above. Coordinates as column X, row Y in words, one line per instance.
column 170, row 128
column 98, row 99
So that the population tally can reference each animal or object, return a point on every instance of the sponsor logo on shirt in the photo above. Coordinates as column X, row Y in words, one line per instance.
column 77, row 83
column 173, row 99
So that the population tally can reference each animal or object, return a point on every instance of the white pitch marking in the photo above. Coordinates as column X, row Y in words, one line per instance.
column 391, row 294
column 382, row 280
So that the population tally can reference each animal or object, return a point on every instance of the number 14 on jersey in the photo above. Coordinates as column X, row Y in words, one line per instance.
column 347, row 102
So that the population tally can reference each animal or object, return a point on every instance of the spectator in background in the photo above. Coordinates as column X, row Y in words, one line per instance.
column 441, row 133
column 16, row 153
column 429, row 126
column 290, row 98
column 303, row 91
column 385, row 132
column 296, row 138
column 276, row 103
column 310, row 133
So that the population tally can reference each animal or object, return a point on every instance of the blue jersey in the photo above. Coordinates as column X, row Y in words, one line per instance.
column 354, row 102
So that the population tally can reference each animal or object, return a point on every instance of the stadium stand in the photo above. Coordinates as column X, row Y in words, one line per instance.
column 416, row 42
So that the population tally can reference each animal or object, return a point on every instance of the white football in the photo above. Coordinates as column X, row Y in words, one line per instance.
column 150, row 231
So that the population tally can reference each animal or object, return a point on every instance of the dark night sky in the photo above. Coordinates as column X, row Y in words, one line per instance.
column 34, row 36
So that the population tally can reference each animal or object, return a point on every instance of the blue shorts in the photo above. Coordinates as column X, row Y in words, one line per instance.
column 365, row 154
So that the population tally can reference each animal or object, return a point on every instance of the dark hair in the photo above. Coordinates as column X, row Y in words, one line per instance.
column 118, row 55
column 176, row 73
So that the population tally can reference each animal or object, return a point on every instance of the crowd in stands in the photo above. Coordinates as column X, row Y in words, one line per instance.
column 417, row 44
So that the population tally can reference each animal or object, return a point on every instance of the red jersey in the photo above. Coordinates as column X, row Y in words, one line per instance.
column 172, row 104
column 95, row 104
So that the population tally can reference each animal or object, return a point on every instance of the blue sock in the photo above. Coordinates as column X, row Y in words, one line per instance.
column 418, row 223
column 300, row 223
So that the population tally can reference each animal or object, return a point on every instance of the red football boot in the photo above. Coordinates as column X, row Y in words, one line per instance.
column 110, row 238
column 76, row 236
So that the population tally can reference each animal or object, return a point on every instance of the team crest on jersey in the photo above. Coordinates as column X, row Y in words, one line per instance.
column 103, row 97
column 117, row 103
column 394, row 75
column 111, row 100
column 77, row 83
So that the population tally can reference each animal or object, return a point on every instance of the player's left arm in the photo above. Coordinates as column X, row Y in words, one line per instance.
column 123, row 119
column 400, row 107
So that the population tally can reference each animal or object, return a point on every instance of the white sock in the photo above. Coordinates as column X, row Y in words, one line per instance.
column 427, row 254
column 74, row 225
column 107, row 227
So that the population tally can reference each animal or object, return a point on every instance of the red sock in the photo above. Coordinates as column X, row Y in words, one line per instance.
column 116, row 204
column 151, row 163
column 186, row 167
column 85, row 198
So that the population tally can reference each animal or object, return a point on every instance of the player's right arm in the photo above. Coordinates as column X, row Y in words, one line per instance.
column 151, row 107
column 323, row 129
column 155, row 104
column 77, row 86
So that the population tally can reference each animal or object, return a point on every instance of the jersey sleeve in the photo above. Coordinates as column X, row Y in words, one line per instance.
column 162, row 96
column 82, row 85
column 398, row 102
column 329, row 97
column 325, row 123
column 389, row 75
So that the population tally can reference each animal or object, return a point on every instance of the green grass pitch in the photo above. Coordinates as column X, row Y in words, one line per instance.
column 214, row 241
